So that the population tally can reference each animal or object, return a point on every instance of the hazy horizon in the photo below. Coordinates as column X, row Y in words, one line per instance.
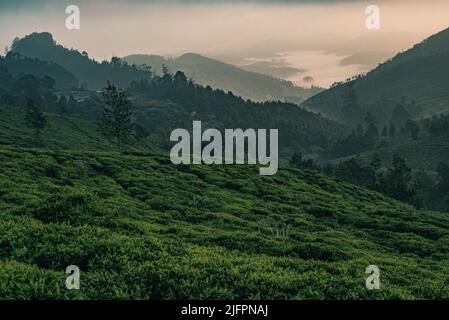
column 328, row 41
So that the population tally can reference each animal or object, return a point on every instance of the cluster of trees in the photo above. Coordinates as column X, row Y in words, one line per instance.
column 363, row 138
column 216, row 108
column 349, row 80
column 421, row 188
column 433, row 189
column 17, row 91
column 65, row 104
column 395, row 179
column 18, row 65
column 117, row 121
column 35, row 118
column 436, row 125
column 370, row 135
column 301, row 162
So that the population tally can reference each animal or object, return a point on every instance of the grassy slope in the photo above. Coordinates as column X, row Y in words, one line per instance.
column 60, row 133
column 140, row 227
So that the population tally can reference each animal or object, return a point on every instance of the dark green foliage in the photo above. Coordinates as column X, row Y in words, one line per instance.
column 141, row 228
column 398, row 180
column 297, row 161
column 392, row 132
column 358, row 141
column 350, row 106
column 60, row 132
column 399, row 116
column 443, row 177
column 18, row 91
column 413, row 128
column 186, row 101
column 34, row 118
column 117, row 121
column 395, row 182
column 18, row 65
column 353, row 171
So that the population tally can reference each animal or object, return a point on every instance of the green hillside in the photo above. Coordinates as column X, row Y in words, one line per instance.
column 140, row 227
column 219, row 75
column 61, row 133
column 416, row 78
column 427, row 158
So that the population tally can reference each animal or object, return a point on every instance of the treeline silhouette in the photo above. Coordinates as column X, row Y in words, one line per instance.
column 395, row 179
column 369, row 136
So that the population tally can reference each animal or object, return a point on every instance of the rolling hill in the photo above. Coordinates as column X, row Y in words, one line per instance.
column 64, row 133
column 139, row 227
column 416, row 78
column 219, row 75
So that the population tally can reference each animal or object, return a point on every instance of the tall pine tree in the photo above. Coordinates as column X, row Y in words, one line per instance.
column 117, row 121
column 34, row 118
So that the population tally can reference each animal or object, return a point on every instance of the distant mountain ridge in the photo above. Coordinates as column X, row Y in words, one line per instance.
column 203, row 70
column 43, row 47
column 415, row 79
column 220, row 75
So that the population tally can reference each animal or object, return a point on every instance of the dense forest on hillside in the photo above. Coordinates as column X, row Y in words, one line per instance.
column 299, row 129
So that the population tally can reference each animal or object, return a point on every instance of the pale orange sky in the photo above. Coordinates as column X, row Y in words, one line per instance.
column 235, row 32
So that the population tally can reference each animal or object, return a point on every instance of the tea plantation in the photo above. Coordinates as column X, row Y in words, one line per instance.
column 139, row 227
